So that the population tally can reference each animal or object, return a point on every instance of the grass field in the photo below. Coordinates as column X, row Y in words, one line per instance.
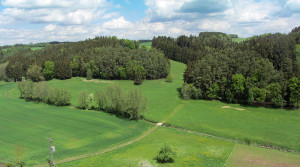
column 240, row 39
column 191, row 150
column 267, row 126
column 75, row 131
column 249, row 156
column 262, row 125
column 36, row 48
column 146, row 44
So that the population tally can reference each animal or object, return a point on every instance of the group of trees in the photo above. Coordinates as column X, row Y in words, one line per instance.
column 41, row 92
column 129, row 105
column 102, row 57
column 261, row 70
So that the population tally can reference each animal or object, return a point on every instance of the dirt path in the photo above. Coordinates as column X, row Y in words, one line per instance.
column 119, row 145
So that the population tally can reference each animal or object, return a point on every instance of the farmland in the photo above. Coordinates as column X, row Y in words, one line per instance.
column 27, row 125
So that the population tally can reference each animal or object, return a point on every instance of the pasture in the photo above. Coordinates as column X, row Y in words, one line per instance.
column 239, row 39
column 191, row 150
column 248, row 156
column 27, row 125
column 146, row 44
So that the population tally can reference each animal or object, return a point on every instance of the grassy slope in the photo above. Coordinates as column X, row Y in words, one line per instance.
column 248, row 156
column 162, row 96
column 75, row 131
column 192, row 150
column 146, row 44
column 257, row 124
column 263, row 125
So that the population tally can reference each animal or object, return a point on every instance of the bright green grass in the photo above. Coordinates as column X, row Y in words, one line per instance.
column 248, row 156
column 36, row 48
column 75, row 131
column 240, row 39
column 262, row 125
column 192, row 150
column 148, row 45
column 162, row 96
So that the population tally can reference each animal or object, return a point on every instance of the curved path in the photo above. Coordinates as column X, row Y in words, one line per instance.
column 119, row 145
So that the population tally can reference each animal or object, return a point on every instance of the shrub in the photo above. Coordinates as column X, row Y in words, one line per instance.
column 186, row 91
column 100, row 99
column 169, row 78
column 278, row 101
column 59, row 97
column 41, row 91
column 89, row 74
column 165, row 154
column 34, row 73
column 3, row 76
column 48, row 71
column 115, row 99
column 135, row 104
column 82, row 100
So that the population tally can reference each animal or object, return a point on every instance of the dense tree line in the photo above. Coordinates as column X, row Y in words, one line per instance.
column 261, row 70
column 102, row 57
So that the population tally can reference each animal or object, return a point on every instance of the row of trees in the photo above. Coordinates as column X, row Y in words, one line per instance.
column 102, row 57
column 41, row 92
column 261, row 70
column 128, row 105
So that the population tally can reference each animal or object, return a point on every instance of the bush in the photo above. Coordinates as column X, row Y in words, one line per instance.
column 115, row 99
column 34, row 73
column 3, row 76
column 169, row 78
column 41, row 91
column 186, row 91
column 82, row 100
column 165, row 154
column 278, row 101
column 48, row 71
column 89, row 74
column 59, row 97
column 100, row 99
column 135, row 104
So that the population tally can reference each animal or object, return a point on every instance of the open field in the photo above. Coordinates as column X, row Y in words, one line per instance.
column 261, row 125
column 76, row 132
column 192, row 150
column 239, row 39
column 248, row 156
column 245, row 123
column 146, row 44
column 36, row 48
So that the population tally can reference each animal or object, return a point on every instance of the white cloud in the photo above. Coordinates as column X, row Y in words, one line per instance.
column 119, row 23
column 293, row 5
column 50, row 27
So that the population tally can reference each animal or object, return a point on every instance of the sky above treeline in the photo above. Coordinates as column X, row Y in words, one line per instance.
column 33, row 21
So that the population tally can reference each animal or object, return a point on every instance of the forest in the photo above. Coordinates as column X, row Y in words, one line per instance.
column 263, row 70
column 102, row 58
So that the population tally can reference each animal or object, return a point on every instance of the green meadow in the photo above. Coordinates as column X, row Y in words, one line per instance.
column 75, row 132
column 78, row 132
column 146, row 44
column 191, row 150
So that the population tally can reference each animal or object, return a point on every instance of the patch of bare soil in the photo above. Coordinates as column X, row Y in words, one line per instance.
column 226, row 107
column 240, row 109
column 97, row 81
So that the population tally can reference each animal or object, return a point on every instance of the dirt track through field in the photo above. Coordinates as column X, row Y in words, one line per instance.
column 117, row 146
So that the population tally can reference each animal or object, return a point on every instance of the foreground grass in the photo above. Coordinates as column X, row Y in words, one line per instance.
column 27, row 125
column 192, row 150
column 248, row 156
column 268, row 126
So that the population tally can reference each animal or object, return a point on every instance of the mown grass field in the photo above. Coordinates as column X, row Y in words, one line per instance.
column 261, row 125
column 245, row 123
column 239, row 39
column 146, row 44
column 76, row 132
column 248, row 156
column 191, row 150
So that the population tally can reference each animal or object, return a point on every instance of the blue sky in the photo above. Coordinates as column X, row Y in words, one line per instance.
column 32, row 21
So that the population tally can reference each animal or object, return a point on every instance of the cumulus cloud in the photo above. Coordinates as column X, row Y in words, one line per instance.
column 119, row 23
